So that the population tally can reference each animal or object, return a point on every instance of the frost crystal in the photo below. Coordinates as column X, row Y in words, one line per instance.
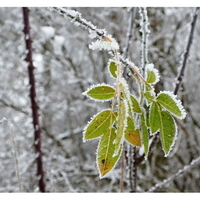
column 106, row 45
column 76, row 23
column 93, row 34
column 27, row 37
column 72, row 13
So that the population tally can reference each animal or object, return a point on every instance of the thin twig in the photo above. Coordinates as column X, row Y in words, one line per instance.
column 16, row 159
column 135, row 176
column 180, row 172
column 13, row 107
column 130, row 166
column 130, row 31
column 145, row 33
column 122, row 172
column 100, row 33
column 78, row 20
column 129, row 154
column 186, row 54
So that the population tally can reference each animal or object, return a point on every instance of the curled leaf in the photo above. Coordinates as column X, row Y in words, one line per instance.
column 132, row 135
column 112, row 68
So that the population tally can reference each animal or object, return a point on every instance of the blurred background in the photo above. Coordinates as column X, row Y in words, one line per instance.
column 64, row 68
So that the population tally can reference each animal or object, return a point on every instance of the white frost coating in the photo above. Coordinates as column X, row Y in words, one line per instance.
column 27, row 37
column 133, row 66
column 97, row 85
column 93, row 34
column 145, row 33
column 178, row 103
column 77, row 23
column 37, row 128
column 106, row 45
column 26, row 51
column 128, row 96
column 72, row 13
column 124, row 127
column 150, row 67
column 36, row 142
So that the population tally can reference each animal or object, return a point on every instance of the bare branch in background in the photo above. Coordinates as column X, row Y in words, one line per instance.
column 34, row 105
column 185, row 169
column 186, row 54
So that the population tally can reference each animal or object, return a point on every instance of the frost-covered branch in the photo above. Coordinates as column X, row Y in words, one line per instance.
column 14, row 107
column 34, row 105
column 107, row 42
column 145, row 32
column 186, row 54
column 185, row 169
column 131, row 151
column 79, row 21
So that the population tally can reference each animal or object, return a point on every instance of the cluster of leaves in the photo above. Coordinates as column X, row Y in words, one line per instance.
column 119, row 123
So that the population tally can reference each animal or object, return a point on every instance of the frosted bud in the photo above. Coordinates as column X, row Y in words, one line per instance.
column 106, row 45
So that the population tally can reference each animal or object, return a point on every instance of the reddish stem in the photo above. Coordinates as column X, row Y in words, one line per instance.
column 34, row 106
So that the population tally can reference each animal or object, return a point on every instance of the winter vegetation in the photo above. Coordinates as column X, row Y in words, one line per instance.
column 99, row 99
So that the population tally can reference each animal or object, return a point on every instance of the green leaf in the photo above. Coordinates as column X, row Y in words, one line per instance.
column 170, row 103
column 121, row 123
column 152, row 75
column 135, row 104
column 105, row 159
column 112, row 68
column 101, row 92
column 144, row 132
column 167, row 131
column 132, row 135
column 99, row 124
column 154, row 117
